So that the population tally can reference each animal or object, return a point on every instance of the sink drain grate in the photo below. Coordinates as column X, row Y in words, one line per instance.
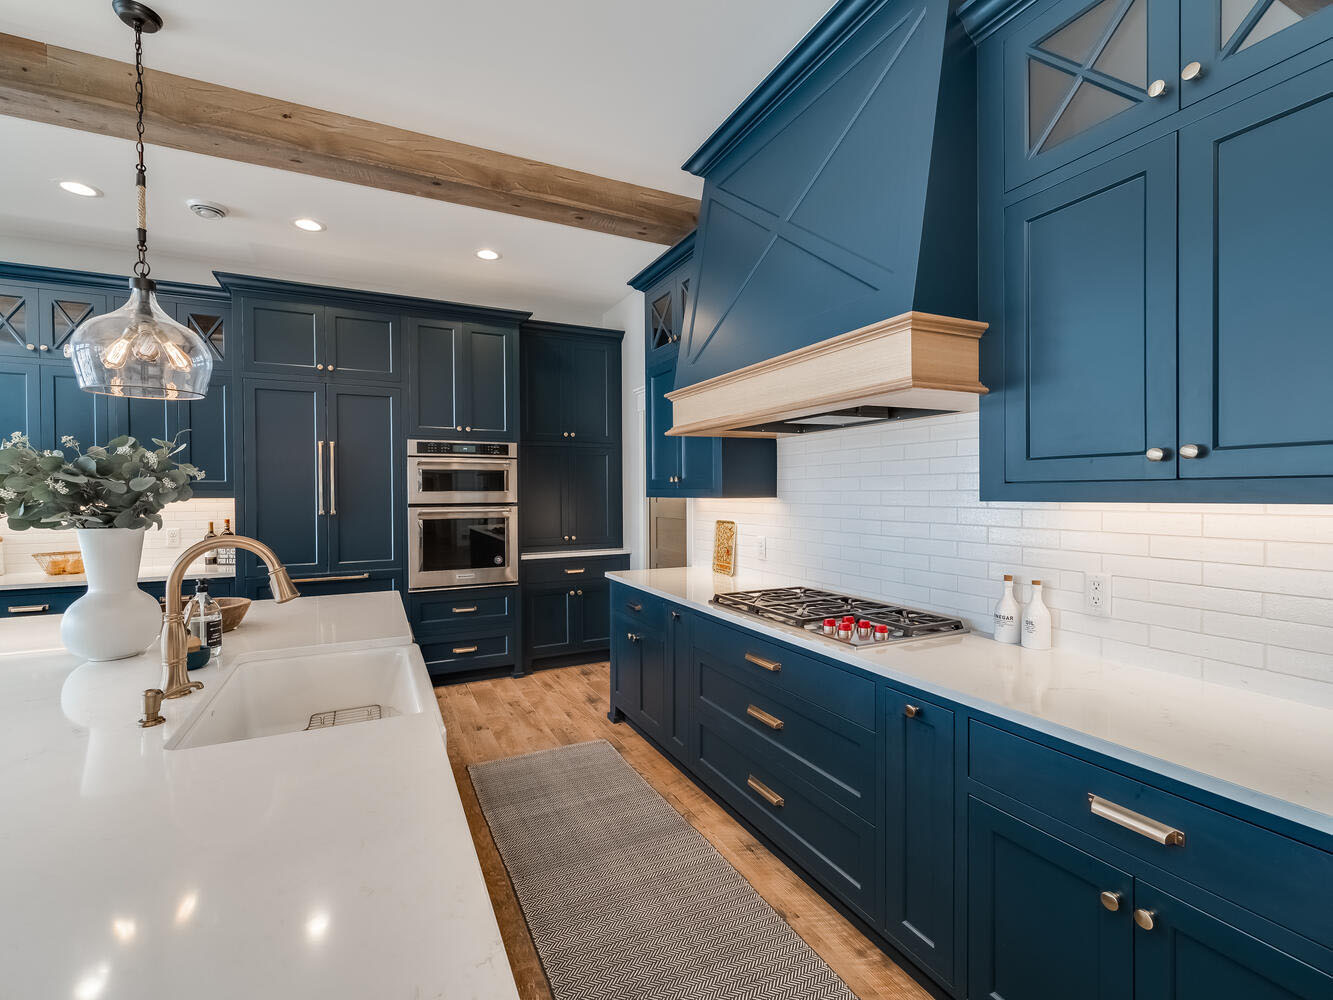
column 344, row 716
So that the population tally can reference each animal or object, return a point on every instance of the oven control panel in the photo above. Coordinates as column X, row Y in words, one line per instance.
column 486, row 449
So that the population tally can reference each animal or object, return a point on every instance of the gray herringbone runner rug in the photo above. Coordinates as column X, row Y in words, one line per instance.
column 624, row 898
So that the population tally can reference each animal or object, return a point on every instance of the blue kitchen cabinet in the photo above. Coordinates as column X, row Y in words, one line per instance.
column 463, row 379
column 361, row 345
column 434, row 346
column 68, row 410
column 1089, row 380
column 366, row 464
column 20, row 400
column 571, row 384
column 1255, row 352
column 921, row 909
column 285, row 455
column 19, row 310
column 681, row 684
column 569, row 497
column 640, row 677
column 282, row 338
column 210, row 318
column 662, row 454
column 1038, row 926
column 566, row 607
column 63, row 308
column 1081, row 74
column 256, row 585
column 204, row 426
column 1232, row 40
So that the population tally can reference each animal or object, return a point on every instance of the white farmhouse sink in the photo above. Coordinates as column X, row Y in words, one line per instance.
column 268, row 697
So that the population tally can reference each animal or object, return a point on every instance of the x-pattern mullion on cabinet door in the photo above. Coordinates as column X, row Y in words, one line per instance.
column 1264, row 18
column 210, row 328
column 662, row 321
column 66, row 315
column 13, row 318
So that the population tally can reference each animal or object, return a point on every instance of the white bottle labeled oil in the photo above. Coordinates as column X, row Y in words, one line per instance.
column 1008, row 615
column 1036, row 621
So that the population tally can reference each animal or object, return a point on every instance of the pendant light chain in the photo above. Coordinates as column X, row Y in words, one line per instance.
column 141, row 267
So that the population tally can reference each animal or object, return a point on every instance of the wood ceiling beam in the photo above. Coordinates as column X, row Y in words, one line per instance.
column 44, row 83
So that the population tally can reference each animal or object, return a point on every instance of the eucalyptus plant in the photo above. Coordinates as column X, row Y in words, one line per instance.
column 121, row 485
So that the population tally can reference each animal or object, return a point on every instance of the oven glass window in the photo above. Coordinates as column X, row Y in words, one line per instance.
column 463, row 480
column 462, row 543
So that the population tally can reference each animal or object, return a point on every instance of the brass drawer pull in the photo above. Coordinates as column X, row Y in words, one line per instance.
column 575, row 572
column 331, row 579
column 773, row 666
column 464, row 611
column 633, row 606
column 1144, row 826
column 28, row 609
column 771, row 721
column 766, row 793
column 465, row 649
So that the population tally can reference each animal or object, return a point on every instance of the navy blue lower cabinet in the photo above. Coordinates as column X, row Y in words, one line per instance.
column 1038, row 928
column 365, row 474
column 38, row 601
column 20, row 400
column 549, row 626
column 257, row 587
column 447, row 656
column 641, row 671
column 461, row 632
column 920, row 905
column 1183, row 953
column 680, row 683
column 566, row 607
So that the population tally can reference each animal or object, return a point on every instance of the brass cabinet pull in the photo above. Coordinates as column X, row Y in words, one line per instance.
column 1144, row 918
column 1111, row 900
column 332, row 579
column 28, row 609
column 580, row 593
column 319, row 475
column 1144, row 826
column 772, row 666
column 464, row 611
column 333, row 481
column 633, row 637
column 911, row 711
column 768, row 795
column 771, row 721
column 633, row 606
column 575, row 572
column 465, row 649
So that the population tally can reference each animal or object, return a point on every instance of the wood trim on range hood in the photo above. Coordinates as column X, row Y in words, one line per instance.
column 915, row 361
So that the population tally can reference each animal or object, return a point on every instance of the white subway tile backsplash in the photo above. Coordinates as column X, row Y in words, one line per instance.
column 1236, row 593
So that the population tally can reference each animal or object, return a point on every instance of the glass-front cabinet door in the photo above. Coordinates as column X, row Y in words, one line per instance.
column 18, row 320
column 1224, row 41
column 1082, row 74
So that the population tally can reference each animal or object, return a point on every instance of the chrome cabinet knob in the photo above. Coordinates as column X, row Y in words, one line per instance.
column 44, row 348
column 1111, row 900
column 31, row 347
column 1157, row 88
column 1144, row 918
column 1155, row 455
column 1190, row 451
column 1192, row 71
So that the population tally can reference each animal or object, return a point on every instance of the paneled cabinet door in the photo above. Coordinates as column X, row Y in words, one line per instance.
column 1090, row 324
column 361, row 345
column 364, row 478
column 69, row 411
column 592, row 407
column 549, row 625
column 541, row 522
column 1037, row 926
column 1084, row 73
column 662, row 453
column 487, row 383
column 680, row 685
column 283, row 338
column 209, row 318
column 545, row 372
column 594, row 607
column 20, row 407
column 210, row 444
column 286, row 456
column 19, row 323
column 919, row 831
column 592, row 498
column 1255, row 350
column 1233, row 39
column 434, row 346
column 665, row 314
column 1186, row 954
column 63, row 308
column 626, row 667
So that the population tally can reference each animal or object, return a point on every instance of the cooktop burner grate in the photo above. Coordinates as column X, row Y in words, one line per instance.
column 808, row 608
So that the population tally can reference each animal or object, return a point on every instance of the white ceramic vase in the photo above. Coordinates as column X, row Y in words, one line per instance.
column 115, row 618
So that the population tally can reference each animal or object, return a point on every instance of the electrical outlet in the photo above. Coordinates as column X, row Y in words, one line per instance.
column 1097, row 595
column 173, row 538
column 760, row 547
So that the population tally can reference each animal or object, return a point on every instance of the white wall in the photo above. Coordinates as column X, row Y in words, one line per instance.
column 627, row 315
column 1234, row 593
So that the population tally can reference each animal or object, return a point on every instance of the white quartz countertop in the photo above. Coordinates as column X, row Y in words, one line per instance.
column 335, row 863
column 1269, row 753
column 34, row 578
column 574, row 554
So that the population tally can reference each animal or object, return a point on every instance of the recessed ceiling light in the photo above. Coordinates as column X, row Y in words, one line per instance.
column 81, row 189
column 309, row 225
column 488, row 254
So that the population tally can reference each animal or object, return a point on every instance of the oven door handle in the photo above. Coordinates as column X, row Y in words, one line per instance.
column 454, row 513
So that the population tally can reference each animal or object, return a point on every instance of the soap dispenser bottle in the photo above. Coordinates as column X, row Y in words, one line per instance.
column 1036, row 621
column 1008, row 627
column 206, row 622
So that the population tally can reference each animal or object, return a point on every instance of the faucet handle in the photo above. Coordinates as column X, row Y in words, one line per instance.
column 152, row 704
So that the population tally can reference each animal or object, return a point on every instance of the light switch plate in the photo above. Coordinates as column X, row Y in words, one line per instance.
column 760, row 547
column 1097, row 595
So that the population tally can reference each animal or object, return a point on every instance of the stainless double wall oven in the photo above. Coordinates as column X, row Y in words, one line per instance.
column 462, row 513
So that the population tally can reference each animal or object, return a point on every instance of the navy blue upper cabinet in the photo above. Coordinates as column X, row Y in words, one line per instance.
column 1255, row 198
column 464, row 379
column 433, row 347
column 68, row 410
column 20, row 400
column 662, row 454
column 571, row 384
column 490, row 382
column 1234, row 39
column 281, row 337
column 362, row 345
column 570, row 496
column 19, row 310
column 1090, row 324
column 1081, row 74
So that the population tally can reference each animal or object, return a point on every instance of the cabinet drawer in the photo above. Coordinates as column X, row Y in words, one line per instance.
column 645, row 610
column 835, row 846
column 460, row 653
column 832, row 754
column 783, row 670
column 447, row 611
column 571, row 569
column 1270, row 874
column 38, row 601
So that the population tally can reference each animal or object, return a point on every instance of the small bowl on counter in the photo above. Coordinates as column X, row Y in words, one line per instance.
column 60, row 563
column 233, row 609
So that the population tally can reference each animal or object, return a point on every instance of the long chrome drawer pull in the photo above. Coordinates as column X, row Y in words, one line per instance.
column 771, row 665
column 28, row 609
column 464, row 611
column 771, row 721
column 575, row 572
column 332, row 579
column 1144, row 826
column 766, row 793
column 465, row 649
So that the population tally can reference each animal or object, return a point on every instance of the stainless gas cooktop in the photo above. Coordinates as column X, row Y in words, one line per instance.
column 814, row 610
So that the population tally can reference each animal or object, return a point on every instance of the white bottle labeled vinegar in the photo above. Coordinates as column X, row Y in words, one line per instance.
column 1007, row 615
column 1036, row 620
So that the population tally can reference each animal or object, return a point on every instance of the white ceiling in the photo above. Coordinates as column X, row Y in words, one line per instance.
column 622, row 88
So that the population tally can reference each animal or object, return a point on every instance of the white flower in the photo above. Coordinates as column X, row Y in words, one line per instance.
column 18, row 437
column 7, row 494
column 57, row 485
column 150, row 459
column 199, row 473
column 124, row 450
column 54, row 454
column 68, row 441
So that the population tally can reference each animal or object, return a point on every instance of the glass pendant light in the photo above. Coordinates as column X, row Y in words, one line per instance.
column 139, row 351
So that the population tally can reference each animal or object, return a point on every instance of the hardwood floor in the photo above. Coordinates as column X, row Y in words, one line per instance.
column 498, row 718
